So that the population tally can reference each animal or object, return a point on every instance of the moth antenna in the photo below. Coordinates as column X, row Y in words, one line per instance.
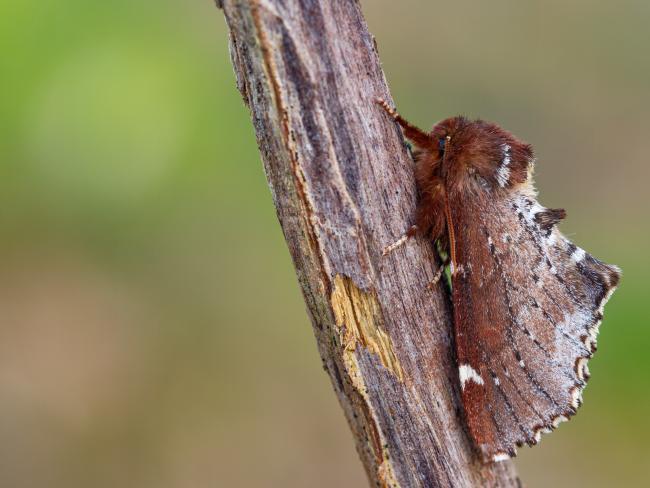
column 452, row 237
column 418, row 136
column 450, row 222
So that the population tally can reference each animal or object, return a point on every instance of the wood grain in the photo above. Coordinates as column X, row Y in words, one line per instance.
column 343, row 186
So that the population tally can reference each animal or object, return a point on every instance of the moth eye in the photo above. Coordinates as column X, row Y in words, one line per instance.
column 441, row 144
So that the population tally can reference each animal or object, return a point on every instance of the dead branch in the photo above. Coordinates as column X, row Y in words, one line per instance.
column 343, row 186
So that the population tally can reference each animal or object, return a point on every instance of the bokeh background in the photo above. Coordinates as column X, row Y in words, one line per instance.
column 152, row 333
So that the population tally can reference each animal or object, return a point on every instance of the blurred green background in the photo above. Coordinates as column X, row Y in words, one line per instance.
column 152, row 332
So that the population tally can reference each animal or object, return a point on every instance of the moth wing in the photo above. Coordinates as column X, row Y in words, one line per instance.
column 527, row 307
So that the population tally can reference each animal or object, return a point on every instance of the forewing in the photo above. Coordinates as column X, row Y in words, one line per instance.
column 527, row 306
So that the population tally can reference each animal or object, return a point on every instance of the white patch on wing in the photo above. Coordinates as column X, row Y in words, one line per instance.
column 535, row 209
column 501, row 456
column 551, row 239
column 528, row 208
column 503, row 173
column 467, row 373
column 578, row 255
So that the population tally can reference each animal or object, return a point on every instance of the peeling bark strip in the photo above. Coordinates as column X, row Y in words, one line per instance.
column 359, row 313
column 343, row 187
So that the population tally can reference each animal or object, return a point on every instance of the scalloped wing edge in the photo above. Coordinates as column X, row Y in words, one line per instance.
column 581, row 367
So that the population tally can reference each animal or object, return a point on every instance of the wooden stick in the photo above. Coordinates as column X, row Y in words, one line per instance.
column 343, row 185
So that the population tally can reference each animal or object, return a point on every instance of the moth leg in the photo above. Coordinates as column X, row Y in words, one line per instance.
column 436, row 277
column 439, row 273
column 418, row 136
column 401, row 241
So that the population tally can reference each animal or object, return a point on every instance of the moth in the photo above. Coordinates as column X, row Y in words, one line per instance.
column 527, row 302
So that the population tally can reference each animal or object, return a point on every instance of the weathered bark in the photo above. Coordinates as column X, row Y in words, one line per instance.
column 343, row 186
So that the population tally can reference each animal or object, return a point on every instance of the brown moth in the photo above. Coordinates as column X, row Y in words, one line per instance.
column 527, row 302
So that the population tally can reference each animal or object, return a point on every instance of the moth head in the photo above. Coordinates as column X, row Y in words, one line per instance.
column 479, row 153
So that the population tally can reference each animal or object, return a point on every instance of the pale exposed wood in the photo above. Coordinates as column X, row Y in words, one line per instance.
column 343, row 185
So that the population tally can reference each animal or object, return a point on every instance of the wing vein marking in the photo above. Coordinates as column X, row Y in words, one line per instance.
column 521, row 395
column 496, row 424
column 512, row 412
